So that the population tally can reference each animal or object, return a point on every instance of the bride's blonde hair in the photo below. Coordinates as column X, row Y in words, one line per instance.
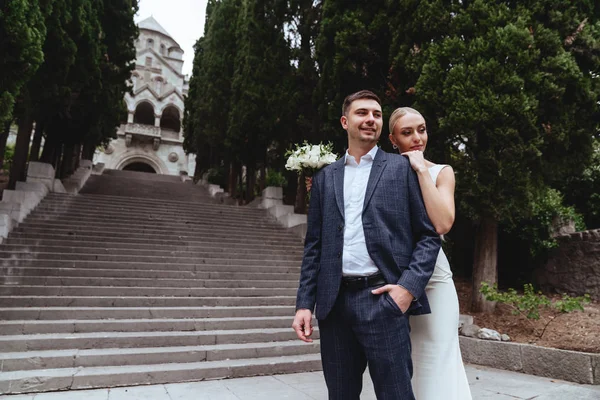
column 399, row 113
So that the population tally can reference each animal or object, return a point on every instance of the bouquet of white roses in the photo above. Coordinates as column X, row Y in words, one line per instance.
column 309, row 158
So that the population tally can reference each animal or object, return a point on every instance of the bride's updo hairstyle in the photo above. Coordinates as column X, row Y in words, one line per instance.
column 399, row 113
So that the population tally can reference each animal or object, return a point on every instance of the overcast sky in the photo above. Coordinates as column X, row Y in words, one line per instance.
column 183, row 19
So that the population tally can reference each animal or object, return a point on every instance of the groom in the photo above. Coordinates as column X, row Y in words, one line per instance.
column 369, row 252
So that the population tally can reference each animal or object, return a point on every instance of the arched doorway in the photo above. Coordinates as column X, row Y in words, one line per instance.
column 144, row 114
column 170, row 119
column 139, row 167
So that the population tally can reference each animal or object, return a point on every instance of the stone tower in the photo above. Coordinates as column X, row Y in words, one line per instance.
column 151, row 140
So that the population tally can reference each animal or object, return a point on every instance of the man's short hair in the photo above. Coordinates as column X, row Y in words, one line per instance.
column 363, row 94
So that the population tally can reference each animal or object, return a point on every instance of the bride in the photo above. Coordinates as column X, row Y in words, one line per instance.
column 439, row 372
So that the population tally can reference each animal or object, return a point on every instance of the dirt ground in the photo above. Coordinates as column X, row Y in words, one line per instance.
column 579, row 331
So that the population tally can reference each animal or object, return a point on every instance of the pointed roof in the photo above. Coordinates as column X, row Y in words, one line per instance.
column 151, row 24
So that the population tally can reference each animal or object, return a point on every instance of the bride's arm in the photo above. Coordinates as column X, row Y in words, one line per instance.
column 439, row 200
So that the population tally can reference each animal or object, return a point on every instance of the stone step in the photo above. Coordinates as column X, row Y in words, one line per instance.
column 146, row 204
column 236, row 273
column 126, row 234
column 132, row 230
column 98, row 377
column 108, row 291
column 215, row 240
column 142, row 301
column 64, row 326
column 262, row 221
column 105, row 340
column 117, row 173
column 143, row 188
column 146, row 282
column 170, row 229
column 52, row 240
column 186, row 267
column 71, row 358
column 53, row 210
column 38, row 255
column 80, row 313
column 193, row 210
column 189, row 253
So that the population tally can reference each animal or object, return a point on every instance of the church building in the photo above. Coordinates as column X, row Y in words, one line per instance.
column 151, row 140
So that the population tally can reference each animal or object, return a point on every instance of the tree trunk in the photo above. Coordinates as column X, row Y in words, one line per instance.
column 36, row 144
column 66, row 168
column 3, row 139
column 300, row 204
column 250, row 183
column 233, row 175
column 50, row 149
column 263, row 177
column 88, row 150
column 485, row 262
column 19, row 165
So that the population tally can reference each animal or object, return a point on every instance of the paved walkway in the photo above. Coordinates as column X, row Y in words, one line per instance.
column 486, row 383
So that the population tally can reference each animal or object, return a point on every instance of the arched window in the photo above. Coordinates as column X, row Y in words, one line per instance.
column 144, row 114
column 163, row 50
column 150, row 43
column 170, row 119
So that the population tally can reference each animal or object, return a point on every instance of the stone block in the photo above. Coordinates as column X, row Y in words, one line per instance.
column 559, row 364
column 58, row 187
column 98, row 169
column 595, row 358
column 14, row 211
column 279, row 211
column 33, row 187
column 491, row 353
column 464, row 319
column 40, row 170
column 300, row 230
column 6, row 225
column 268, row 203
column 292, row 219
column 87, row 164
column 77, row 180
column 28, row 200
column 213, row 189
column 273, row 192
column 41, row 173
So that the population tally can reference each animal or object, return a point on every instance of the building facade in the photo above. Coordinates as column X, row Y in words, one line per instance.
column 151, row 140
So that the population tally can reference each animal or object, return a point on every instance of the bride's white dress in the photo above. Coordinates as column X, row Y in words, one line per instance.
column 438, row 370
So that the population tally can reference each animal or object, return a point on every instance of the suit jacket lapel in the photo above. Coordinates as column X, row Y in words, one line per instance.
column 338, row 183
column 379, row 164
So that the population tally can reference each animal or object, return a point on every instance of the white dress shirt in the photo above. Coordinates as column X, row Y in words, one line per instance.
column 356, row 260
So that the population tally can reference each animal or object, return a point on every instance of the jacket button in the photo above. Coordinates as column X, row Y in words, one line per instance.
column 339, row 254
column 340, row 227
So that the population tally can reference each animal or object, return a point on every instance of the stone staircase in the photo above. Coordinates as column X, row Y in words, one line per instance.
column 142, row 279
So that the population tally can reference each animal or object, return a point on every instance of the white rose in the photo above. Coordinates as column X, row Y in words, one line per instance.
column 330, row 158
column 292, row 163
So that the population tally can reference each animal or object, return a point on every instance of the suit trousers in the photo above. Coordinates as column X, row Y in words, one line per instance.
column 366, row 329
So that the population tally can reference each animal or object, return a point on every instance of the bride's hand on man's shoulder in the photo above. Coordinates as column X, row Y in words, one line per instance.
column 417, row 161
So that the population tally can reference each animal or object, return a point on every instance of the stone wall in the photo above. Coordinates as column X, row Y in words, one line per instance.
column 574, row 266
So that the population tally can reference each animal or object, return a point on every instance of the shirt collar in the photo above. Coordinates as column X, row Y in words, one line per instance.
column 370, row 156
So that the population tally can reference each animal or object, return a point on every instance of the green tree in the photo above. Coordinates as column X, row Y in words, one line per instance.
column 512, row 88
column 352, row 54
column 22, row 33
column 583, row 191
column 47, row 93
column 260, row 85
column 209, row 98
